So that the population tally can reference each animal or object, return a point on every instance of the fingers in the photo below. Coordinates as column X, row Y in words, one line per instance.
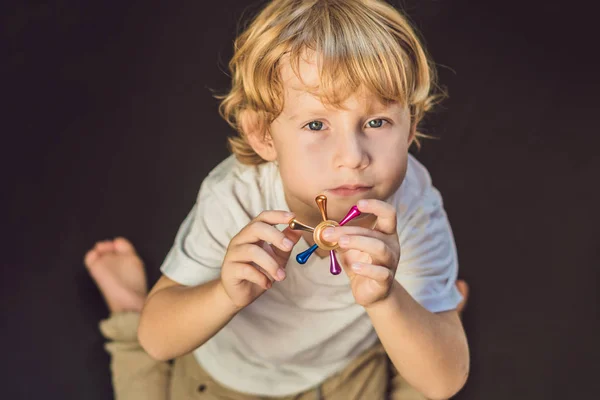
column 375, row 272
column 245, row 272
column 294, row 237
column 385, row 213
column 382, row 249
column 379, row 250
column 275, row 217
column 258, row 251
column 261, row 228
column 334, row 234
column 252, row 253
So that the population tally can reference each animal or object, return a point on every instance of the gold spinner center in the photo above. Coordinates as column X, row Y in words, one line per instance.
column 318, row 233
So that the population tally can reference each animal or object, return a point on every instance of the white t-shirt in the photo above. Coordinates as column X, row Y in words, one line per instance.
column 307, row 327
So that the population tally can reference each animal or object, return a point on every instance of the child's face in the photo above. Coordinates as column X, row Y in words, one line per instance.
column 355, row 152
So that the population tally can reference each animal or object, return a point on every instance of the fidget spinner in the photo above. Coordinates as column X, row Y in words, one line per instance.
column 317, row 231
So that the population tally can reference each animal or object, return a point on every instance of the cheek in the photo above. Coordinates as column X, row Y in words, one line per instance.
column 390, row 149
column 296, row 168
column 303, row 174
column 390, row 160
column 302, row 156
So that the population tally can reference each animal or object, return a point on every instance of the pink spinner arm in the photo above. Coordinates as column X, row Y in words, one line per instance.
column 353, row 213
column 334, row 265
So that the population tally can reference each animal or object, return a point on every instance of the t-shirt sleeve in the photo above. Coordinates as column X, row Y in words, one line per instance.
column 201, row 242
column 428, row 264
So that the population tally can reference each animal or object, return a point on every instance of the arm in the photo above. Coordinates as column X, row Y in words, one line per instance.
column 429, row 350
column 201, row 312
column 177, row 319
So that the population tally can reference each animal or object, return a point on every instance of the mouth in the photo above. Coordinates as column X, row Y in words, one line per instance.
column 349, row 190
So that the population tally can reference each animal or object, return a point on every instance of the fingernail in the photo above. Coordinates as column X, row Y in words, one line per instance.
column 361, row 203
column 289, row 214
column 344, row 240
column 355, row 267
column 280, row 274
column 288, row 244
column 327, row 233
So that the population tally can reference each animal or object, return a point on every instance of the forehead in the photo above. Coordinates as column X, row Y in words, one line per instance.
column 301, row 87
column 307, row 74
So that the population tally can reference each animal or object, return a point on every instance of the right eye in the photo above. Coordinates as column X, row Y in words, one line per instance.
column 314, row 125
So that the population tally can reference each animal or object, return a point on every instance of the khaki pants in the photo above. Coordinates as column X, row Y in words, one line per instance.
column 137, row 376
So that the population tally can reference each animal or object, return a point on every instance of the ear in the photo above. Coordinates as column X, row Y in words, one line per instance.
column 413, row 132
column 257, row 135
column 262, row 144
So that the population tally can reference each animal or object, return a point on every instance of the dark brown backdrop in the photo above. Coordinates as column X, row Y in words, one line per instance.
column 109, row 127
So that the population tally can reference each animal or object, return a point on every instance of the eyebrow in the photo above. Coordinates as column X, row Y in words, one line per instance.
column 377, row 107
column 308, row 112
column 372, row 109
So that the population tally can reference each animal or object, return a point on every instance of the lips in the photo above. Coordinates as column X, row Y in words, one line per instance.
column 350, row 190
column 352, row 187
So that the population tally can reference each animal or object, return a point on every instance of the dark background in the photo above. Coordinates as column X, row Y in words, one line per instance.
column 109, row 127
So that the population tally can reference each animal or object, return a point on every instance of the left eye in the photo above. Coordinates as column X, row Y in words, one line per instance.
column 375, row 123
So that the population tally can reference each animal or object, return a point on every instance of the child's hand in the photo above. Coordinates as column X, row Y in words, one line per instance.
column 257, row 256
column 369, row 256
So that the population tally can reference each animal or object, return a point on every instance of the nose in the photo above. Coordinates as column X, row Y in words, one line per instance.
column 350, row 151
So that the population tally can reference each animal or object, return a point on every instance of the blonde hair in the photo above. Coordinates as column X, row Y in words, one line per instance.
column 358, row 43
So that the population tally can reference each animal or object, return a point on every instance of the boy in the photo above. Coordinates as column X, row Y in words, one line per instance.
column 326, row 96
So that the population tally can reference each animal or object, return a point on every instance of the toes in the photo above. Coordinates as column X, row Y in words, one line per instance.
column 90, row 257
column 104, row 246
column 123, row 245
column 463, row 288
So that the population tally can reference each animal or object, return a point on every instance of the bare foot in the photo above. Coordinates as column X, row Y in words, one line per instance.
column 119, row 274
column 463, row 288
